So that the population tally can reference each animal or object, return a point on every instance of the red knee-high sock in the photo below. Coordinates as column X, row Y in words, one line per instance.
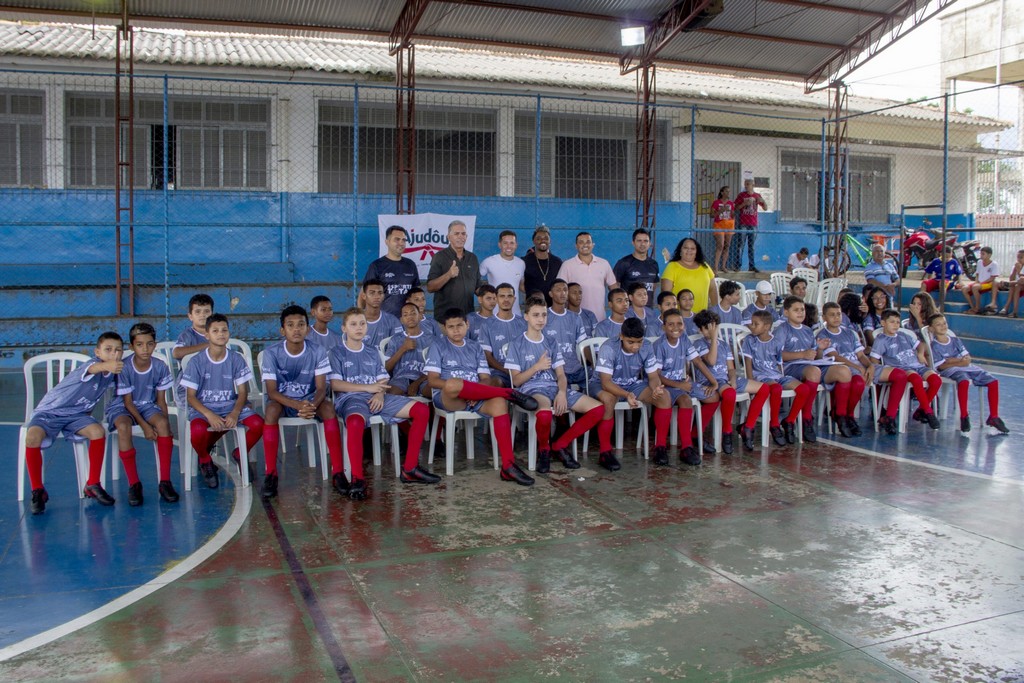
column 683, row 421
column 34, row 465
column 271, row 444
column 203, row 439
column 812, row 393
column 707, row 413
column 934, row 384
column 756, row 404
column 419, row 416
column 543, row 430
column 798, row 402
column 583, row 424
column 857, row 387
column 662, row 425
column 354, row 425
column 97, row 448
column 130, row 470
column 332, row 434
column 728, row 408
column 993, row 399
column 253, row 430
column 963, row 389
column 604, row 434
column 774, row 404
column 474, row 391
column 897, row 385
column 917, row 384
column 164, row 446
column 841, row 399
column 502, row 426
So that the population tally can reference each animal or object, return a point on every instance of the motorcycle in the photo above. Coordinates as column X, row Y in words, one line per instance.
column 966, row 253
column 923, row 245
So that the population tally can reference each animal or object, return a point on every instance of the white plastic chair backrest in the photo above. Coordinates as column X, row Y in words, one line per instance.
column 828, row 290
column 165, row 351
column 258, row 373
column 809, row 274
column 736, row 346
column 594, row 343
column 811, row 297
column 926, row 335
column 775, row 325
column 726, row 331
column 56, row 366
column 780, row 283
column 384, row 345
column 241, row 347
column 749, row 297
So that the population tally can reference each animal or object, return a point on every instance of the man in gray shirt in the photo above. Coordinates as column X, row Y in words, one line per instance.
column 454, row 273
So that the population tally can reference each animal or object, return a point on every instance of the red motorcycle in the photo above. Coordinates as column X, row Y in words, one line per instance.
column 923, row 245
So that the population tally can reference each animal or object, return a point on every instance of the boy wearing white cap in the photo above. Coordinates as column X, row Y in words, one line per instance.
column 765, row 302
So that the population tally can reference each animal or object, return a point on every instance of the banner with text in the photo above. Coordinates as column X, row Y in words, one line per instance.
column 428, row 234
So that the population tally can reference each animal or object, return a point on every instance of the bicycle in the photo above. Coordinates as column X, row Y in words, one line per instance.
column 836, row 267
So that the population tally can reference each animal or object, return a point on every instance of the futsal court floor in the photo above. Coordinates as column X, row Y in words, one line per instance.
column 870, row 559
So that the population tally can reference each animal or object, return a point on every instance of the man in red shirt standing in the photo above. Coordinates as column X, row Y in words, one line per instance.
column 746, row 227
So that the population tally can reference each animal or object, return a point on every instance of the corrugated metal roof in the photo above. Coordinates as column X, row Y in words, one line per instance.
column 364, row 57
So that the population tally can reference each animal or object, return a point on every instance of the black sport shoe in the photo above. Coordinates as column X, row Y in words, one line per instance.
column 96, row 492
column 135, row 494
column 843, row 426
column 660, row 455
column 747, row 437
column 524, row 401
column 39, row 500
column 357, row 491
column 778, row 436
column 919, row 416
column 544, row 462
column 726, row 443
column 789, row 431
column 269, row 489
column 418, row 475
column 709, row 447
column 514, row 473
column 854, row 427
column 998, row 423
column 340, row 483
column 889, row 425
column 690, row 456
column 167, row 492
column 569, row 462
column 809, row 435
column 965, row 424
column 932, row 420
column 608, row 461
column 209, row 472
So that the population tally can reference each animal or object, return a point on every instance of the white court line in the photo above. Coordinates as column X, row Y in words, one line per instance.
column 243, row 501
column 941, row 468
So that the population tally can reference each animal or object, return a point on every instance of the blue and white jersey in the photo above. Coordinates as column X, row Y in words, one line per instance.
column 608, row 328
column 431, row 327
column 398, row 277
column 765, row 357
column 871, row 323
column 215, row 382
column 719, row 368
column 357, row 367
column 899, row 350
column 410, row 365
column 795, row 339
column 844, row 343
column 623, row 367
column 673, row 359
column 143, row 385
column 466, row 362
column 523, row 352
column 498, row 332
column 295, row 375
column 567, row 330
column 734, row 316
column 190, row 337
column 588, row 319
column 381, row 328
column 476, row 325
column 651, row 321
column 78, row 393
column 689, row 328
column 954, row 348
column 324, row 341
column 748, row 313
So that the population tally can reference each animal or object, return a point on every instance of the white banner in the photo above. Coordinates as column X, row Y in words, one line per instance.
column 428, row 234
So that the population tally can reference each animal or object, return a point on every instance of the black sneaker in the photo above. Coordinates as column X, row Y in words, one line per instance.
column 747, row 437
column 854, row 427
column 418, row 475
column 544, row 462
column 608, row 461
column 660, row 456
column 209, row 472
column 888, row 425
column 39, row 500
column 357, row 491
column 524, row 401
column 96, row 492
column 789, row 430
column 778, row 436
column 514, row 473
column 932, row 421
column 135, row 494
column 726, row 443
column 843, row 426
column 167, row 492
column 569, row 462
column 998, row 423
column 690, row 456
column 709, row 447
column 269, row 489
column 919, row 416
column 965, row 424
column 809, row 434
column 340, row 483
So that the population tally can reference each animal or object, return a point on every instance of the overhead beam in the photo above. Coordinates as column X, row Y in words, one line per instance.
column 405, row 26
column 770, row 39
column 831, row 8
column 682, row 15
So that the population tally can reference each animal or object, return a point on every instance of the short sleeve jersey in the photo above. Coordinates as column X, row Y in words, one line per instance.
column 719, row 368
column 986, row 273
column 398, row 278
column 476, row 325
column 295, row 375
column 673, row 359
column 358, row 367
column 734, row 316
column 498, row 332
column 324, row 341
column 567, row 330
column 765, row 357
column 748, row 313
column 844, row 343
column 410, row 365
column 144, row 385
column 953, row 269
column 380, row 329
column 630, row 269
column 78, row 393
column 954, row 348
column 589, row 321
column 215, row 382
column 190, row 337
column 652, row 323
column 899, row 351
column 625, row 367
column 608, row 328
column 450, row 361
column 796, row 339
column 689, row 327
column 523, row 352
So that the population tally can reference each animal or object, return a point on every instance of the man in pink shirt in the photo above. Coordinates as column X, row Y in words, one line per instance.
column 593, row 274
column 746, row 227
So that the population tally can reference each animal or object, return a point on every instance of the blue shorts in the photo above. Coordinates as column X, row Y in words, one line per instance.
column 56, row 424
column 503, row 378
column 571, row 395
column 579, row 377
column 470, row 407
column 674, row 394
column 246, row 413
column 359, row 404
column 794, row 371
column 972, row 373
column 147, row 411
column 634, row 387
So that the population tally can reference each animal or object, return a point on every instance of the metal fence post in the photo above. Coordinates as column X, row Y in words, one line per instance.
column 355, row 186
column 536, row 165
column 823, row 239
column 945, row 191
column 692, row 214
column 167, row 218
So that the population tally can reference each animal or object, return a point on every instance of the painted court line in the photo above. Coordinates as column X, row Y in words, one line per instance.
column 243, row 501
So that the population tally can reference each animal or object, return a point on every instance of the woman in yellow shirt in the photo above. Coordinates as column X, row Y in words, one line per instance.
column 689, row 270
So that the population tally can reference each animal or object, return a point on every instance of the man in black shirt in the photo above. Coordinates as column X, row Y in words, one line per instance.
column 541, row 265
column 454, row 273
column 639, row 267
column 399, row 274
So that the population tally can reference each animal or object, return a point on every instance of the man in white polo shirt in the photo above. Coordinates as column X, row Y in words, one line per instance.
column 505, row 266
column 593, row 273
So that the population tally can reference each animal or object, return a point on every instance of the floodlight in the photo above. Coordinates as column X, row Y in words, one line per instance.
column 634, row 35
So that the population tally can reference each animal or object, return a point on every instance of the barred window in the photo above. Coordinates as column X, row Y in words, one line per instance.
column 21, row 139
column 455, row 151
column 91, row 158
column 867, row 198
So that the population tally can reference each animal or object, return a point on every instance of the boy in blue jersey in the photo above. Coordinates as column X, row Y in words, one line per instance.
column 727, row 309
column 685, row 300
column 192, row 339
column 67, row 409
column 719, row 387
column 638, row 308
column 846, row 347
column 903, row 362
column 618, row 304
column 319, row 333
column 500, row 329
column 487, row 298
column 765, row 301
column 566, row 328
column 574, row 304
column 404, row 354
column 140, row 387
column 429, row 326
column 295, row 372
column 762, row 355
column 666, row 302
column 379, row 324
column 360, row 386
column 536, row 365
column 216, row 382
column 952, row 360
column 457, row 372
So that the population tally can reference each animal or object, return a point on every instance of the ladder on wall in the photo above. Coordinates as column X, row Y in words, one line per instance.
column 124, row 178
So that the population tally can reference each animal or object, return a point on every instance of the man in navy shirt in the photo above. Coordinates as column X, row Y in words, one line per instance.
column 398, row 273
column 639, row 267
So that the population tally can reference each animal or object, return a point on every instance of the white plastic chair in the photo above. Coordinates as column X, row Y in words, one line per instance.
column 880, row 394
column 809, row 274
column 780, row 283
column 948, row 390
column 451, row 421
column 178, row 414
column 749, row 297
column 828, row 290
column 313, row 428
column 621, row 407
column 376, row 426
column 56, row 366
